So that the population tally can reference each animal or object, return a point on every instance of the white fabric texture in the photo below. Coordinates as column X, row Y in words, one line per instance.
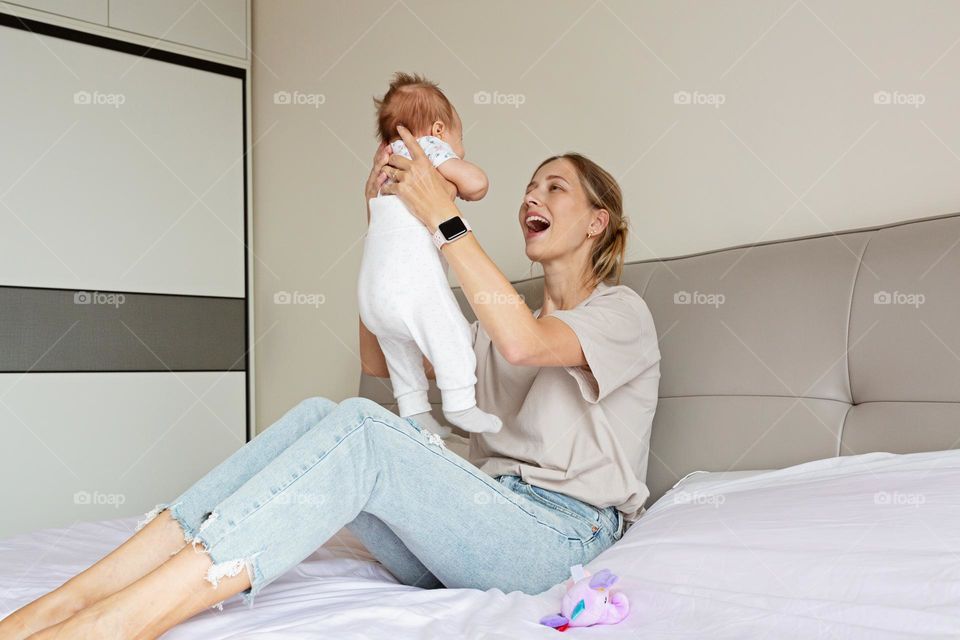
column 406, row 301
column 436, row 149
column 850, row 548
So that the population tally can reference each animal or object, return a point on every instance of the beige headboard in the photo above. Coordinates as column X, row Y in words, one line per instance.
column 783, row 352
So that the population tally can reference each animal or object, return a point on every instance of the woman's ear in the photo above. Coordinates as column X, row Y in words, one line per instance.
column 600, row 221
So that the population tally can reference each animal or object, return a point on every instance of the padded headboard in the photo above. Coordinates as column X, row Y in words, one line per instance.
column 784, row 352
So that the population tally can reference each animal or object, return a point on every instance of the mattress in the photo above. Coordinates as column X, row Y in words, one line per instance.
column 853, row 547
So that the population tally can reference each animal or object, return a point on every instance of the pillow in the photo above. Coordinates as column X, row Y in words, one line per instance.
column 854, row 546
column 696, row 480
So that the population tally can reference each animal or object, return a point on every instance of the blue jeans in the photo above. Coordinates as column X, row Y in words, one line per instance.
column 429, row 516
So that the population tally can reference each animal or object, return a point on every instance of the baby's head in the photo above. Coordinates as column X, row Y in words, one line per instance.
column 420, row 106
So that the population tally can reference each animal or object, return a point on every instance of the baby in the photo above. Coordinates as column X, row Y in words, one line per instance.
column 403, row 291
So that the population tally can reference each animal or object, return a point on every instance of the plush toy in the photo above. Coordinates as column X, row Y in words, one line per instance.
column 589, row 601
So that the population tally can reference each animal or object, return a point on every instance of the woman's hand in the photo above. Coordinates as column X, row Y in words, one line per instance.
column 377, row 177
column 419, row 184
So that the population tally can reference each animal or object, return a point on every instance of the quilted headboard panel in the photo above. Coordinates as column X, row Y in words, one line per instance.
column 783, row 352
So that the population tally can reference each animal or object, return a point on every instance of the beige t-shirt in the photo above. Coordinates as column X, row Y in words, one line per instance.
column 585, row 433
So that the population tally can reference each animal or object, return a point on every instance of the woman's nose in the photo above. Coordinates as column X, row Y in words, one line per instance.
column 531, row 200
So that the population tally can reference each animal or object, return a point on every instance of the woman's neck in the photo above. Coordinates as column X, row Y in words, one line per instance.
column 563, row 288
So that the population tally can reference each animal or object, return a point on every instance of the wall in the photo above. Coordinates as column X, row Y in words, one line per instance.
column 781, row 132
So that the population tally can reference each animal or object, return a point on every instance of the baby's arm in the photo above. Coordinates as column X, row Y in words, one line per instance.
column 470, row 179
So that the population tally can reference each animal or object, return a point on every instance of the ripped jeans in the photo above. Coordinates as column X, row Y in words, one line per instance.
column 429, row 516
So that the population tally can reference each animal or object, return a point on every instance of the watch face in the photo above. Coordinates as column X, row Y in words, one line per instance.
column 452, row 228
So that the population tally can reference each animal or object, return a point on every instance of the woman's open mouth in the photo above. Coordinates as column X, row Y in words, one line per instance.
column 535, row 225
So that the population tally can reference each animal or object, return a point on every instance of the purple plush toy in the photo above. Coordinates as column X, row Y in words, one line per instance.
column 589, row 601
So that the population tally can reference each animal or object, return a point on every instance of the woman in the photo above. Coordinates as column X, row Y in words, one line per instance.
column 575, row 385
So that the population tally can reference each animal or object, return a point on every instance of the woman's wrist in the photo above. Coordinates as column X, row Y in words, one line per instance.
column 441, row 214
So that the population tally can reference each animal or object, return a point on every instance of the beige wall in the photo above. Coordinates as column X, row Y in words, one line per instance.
column 799, row 144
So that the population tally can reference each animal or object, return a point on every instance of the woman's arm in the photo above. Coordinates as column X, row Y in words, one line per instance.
column 520, row 338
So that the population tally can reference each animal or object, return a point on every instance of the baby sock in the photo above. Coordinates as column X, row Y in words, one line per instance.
column 475, row 420
column 428, row 422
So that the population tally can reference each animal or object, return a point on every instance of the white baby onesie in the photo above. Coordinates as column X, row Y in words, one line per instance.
column 406, row 301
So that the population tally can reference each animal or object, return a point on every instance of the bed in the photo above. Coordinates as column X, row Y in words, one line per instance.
column 853, row 547
column 804, row 471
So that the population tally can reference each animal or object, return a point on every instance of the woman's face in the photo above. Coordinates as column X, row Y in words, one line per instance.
column 555, row 215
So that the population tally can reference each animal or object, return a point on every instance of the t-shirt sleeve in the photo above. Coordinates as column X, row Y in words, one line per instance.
column 618, row 339
column 437, row 150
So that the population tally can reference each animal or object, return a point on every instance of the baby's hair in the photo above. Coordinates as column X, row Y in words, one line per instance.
column 414, row 102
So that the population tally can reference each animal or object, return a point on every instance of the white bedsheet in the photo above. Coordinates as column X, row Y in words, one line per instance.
column 854, row 547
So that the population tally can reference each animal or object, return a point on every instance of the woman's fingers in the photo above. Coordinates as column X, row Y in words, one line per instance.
column 399, row 162
column 416, row 151
column 389, row 189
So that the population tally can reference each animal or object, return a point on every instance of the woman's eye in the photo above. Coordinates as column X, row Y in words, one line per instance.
column 555, row 186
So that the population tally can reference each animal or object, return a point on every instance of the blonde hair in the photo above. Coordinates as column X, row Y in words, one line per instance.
column 603, row 192
column 414, row 102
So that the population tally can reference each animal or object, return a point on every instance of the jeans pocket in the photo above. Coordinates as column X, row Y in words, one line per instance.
column 584, row 518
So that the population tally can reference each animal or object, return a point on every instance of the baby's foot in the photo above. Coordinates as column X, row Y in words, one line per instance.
column 474, row 420
column 428, row 422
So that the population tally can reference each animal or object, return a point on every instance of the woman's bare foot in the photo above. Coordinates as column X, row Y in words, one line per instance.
column 147, row 549
column 92, row 622
column 54, row 607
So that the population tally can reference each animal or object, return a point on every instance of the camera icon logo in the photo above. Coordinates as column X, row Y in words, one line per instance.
column 481, row 97
column 281, row 97
column 682, row 297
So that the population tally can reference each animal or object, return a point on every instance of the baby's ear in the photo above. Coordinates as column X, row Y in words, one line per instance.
column 437, row 129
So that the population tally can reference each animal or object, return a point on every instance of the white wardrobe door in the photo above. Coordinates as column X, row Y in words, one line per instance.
column 118, row 172
column 96, row 446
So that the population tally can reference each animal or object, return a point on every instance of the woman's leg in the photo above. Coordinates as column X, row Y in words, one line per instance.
column 465, row 527
column 383, row 543
column 158, row 538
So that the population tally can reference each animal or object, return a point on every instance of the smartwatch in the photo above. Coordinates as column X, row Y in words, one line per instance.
column 449, row 230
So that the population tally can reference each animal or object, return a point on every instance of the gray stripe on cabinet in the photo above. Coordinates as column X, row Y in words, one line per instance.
column 46, row 330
